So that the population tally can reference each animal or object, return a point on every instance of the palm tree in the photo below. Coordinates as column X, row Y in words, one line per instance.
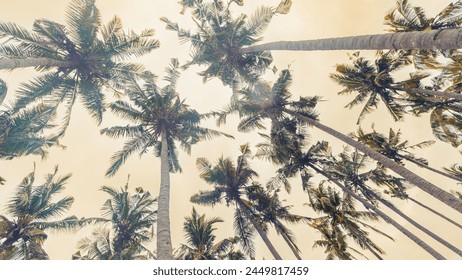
column 373, row 82
column 379, row 212
column 79, row 59
column 24, row 132
column 131, row 218
column 347, row 169
column 259, row 102
column 161, row 118
column 268, row 205
column 398, row 151
column 219, row 38
column 318, row 158
column 342, row 218
column 232, row 46
column 200, row 240
column 233, row 184
column 34, row 212
column 406, row 17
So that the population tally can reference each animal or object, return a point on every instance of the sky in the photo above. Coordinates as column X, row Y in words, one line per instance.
column 88, row 153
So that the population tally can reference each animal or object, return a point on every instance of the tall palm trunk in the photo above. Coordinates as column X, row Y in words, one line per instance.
column 412, row 178
column 34, row 62
column 433, row 93
column 289, row 243
column 368, row 247
column 435, row 212
column 425, row 40
column 164, row 239
column 384, row 216
column 416, row 224
column 260, row 231
column 432, row 169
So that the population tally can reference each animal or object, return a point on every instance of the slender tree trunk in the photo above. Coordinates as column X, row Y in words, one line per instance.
column 3, row 90
column 424, row 40
column 432, row 169
column 373, row 251
column 416, row 224
column 294, row 250
column 435, row 212
column 7, row 63
column 384, row 216
column 433, row 93
column 412, row 178
column 260, row 231
column 164, row 240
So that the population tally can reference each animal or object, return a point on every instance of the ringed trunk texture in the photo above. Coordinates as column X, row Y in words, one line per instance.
column 412, row 178
column 384, row 216
column 424, row 40
column 164, row 239
column 260, row 231
column 34, row 62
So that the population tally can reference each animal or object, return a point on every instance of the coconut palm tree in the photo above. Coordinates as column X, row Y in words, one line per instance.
column 406, row 17
column 398, row 151
column 379, row 212
column 261, row 101
column 78, row 59
column 348, row 169
column 160, row 119
column 200, row 240
column 268, row 205
column 132, row 218
column 210, row 15
column 26, row 132
column 219, row 38
column 32, row 212
column 373, row 82
column 318, row 158
column 233, row 184
column 341, row 216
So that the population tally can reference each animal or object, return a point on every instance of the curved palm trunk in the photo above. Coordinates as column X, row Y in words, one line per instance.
column 164, row 240
column 260, row 231
column 435, row 212
column 416, row 224
column 434, row 93
column 34, row 62
column 432, row 169
column 412, row 178
column 425, row 40
column 384, row 216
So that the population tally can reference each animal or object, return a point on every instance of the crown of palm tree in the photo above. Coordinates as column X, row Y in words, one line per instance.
column 343, row 220
column 200, row 240
column 85, row 56
column 220, row 37
column 34, row 212
column 131, row 217
column 25, row 132
column 152, row 111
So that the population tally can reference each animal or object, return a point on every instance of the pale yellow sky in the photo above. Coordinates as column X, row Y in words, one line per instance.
column 88, row 153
